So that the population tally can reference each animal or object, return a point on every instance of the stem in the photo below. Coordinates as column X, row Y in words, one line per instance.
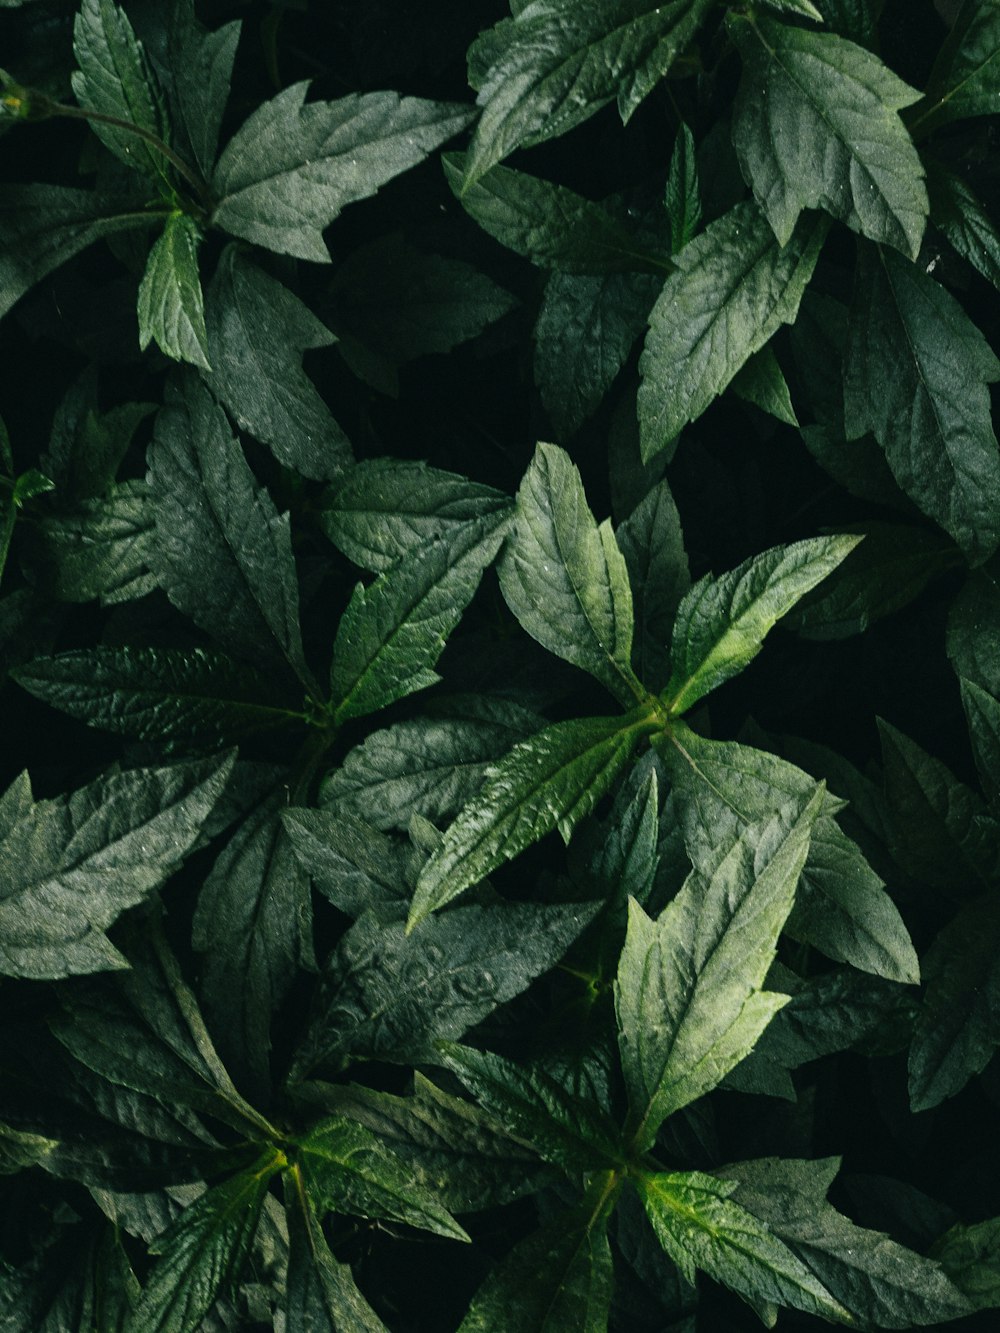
column 174, row 158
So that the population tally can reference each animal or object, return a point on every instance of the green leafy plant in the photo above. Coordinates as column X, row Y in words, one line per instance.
column 321, row 375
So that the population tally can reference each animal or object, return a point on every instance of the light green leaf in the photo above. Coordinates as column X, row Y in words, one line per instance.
column 963, row 81
column 393, row 632
column 290, row 168
column 385, row 508
column 733, row 289
column 553, row 226
column 699, row 1226
column 564, row 576
column 816, row 125
column 683, row 197
column 689, row 995
column 200, row 67
column 222, row 554
column 963, row 220
column 345, row 1168
column 322, row 1295
column 204, row 1252
column 559, row 62
column 583, row 335
column 257, row 332
column 179, row 697
column 653, row 546
column 116, row 79
column 721, row 624
column 970, row 1255
column 550, row 780
column 104, row 548
column 171, row 308
column 761, row 382
column 73, row 864
column 931, row 415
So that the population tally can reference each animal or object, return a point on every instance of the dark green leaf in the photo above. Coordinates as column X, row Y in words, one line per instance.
column 171, row 307
column 258, row 374
column 816, row 125
column 653, row 546
column 733, row 289
column 961, row 217
column 19, row 1149
column 974, row 632
column 931, row 414
column 105, row 548
column 983, row 713
column 970, row 1255
column 963, row 81
column 683, row 198
column 201, row 65
column 761, row 382
column 350, row 861
column 322, row 1294
column 290, row 168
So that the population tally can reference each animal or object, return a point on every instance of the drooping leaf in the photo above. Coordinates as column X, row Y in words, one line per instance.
column 816, row 125
column 104, row 548
column 290, row 168
column 171, row 307
column 734, row 287
column 322, row 1295
column 201, row 65
column 550, row 780
column 930, row 412
column 721, row 624
column 558, row 62
column 73, row 864
column 258, row 374
column 564, row 576
column 963, row 80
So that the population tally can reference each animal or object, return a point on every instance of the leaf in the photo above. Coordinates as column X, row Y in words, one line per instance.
column 393, row 632
column 290, row 168
column 583, row 335
column 384, row 509
column 550, row 780
column 816, row 126
column 19, row 1149
column 973, row 641
column 733, row 289
column 721, row 624
column 683, row 198
column 204, row 1252
column 558, row 63
column 882, row 1283
column 551, row 225
column 76, row 862
column 386, row 994
column 699, row 1226
column 178, row 697
column 559, row 1277
column 531, row 1105
column 957, row 1029
column 86, row 446
column 962, row 219
column 931, row 414
column 805, row 8
column 982, row 711
column 222, row 554
column 564, row 576
column 689, row 995
column 970, row 1255
column 322, row 1295
column 257, row 372
column 171, row 307
column 201, row 66
column 115, row 78
column 963, row 80
column 102, row 549
column 345, row 1168
column 42, row 226
column 653, row 546
column 349, row 861
column 761, row 382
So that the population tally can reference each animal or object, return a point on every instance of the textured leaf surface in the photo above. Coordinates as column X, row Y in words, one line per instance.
column 963, row 81
column 104, row 548
column 653, row 546
column 171, row 307
column 349, row 860
column 201, row 64
column 963, row 219
column 970, row 1255
column 322, row 1294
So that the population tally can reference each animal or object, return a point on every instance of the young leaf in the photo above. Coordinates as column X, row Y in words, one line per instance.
column 178, row 697
column 346, row 1168
column 203, row 1253
column 290, row 168
column 385, row 508
column 201, row 65
column 550, row 780
column 393, row 632
column 564, row 576
column 583, row 335
column 223, row 555
column 559, row 62
column 970, row 1255
column 689, row 995
column 963, row 81
column 683, row 199
column 963, row 220
column 258, row 373
column 552, row 225
column 699, row 1226
column 762, row 382
column 75, row 863
column 322, row 1295
column 816, row 125
column 721, row 624
column 171, row 307
column 116, row 79
column 734, row 287
column 932, row 414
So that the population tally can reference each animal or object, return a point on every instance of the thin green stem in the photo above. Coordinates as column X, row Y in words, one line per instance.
column 176, row 161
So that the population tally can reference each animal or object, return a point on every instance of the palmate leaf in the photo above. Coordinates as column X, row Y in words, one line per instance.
column 816, row 126
column 963, row 81
column 290, row 168
column 171, row 307
column 734, row 287
column 689, row 995
column 721, row 624
column 564, row 576
column 915, row 375
column 73, row 864
column 558, row 62
column 549, row 781
column 322, row 1296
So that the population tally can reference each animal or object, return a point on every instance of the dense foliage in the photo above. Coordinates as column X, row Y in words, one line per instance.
column 311, row 649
